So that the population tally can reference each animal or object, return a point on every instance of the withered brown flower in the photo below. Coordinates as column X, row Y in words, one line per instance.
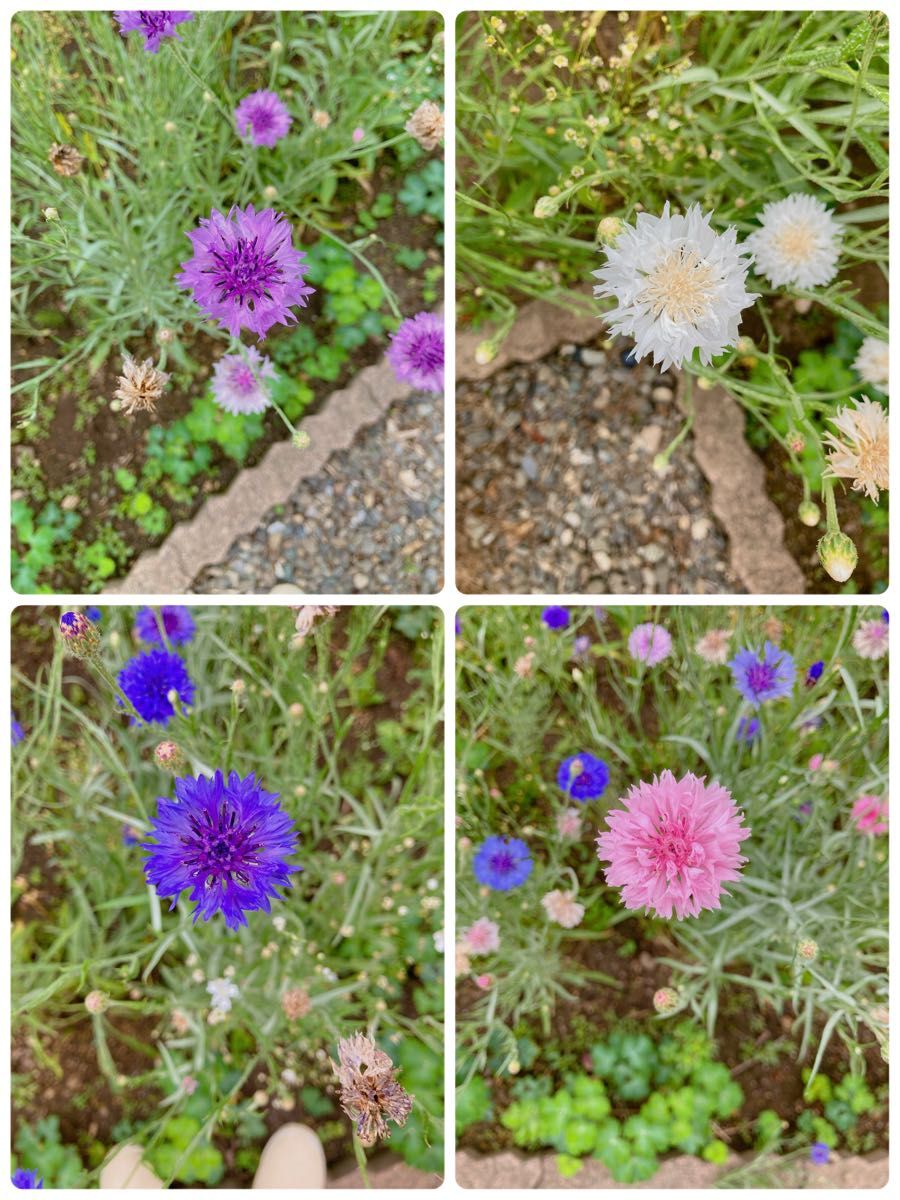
column 370, row 1093
column 140, row 386
column 65, row 160
column 426, row 125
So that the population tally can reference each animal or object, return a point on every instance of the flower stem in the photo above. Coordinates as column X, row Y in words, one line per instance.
column 360, row 1153
column 350, row 247
column 832, row 524
column 201, row 82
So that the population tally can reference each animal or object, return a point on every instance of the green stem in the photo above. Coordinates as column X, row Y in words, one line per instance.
column 662, row 459
column 360, row 1153
column 370, row 267
column 831, row 518
column 201, row 83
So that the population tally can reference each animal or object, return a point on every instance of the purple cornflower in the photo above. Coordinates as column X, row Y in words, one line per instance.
column 502, row 863
column 226, row 841
column 176, row 621
column 819, row 1154
column 581, row 648
column 582, row 777
column 80, row 636
column 26, row 1179
column 747, row 730
column 153, row 25
column 238, row 383
column 766, row 674
column 94, row 614
column 457, row 624
column 814, row 674
column 555, row 617
column 885, row 616
column 130, row 836
column 147, row 680
column 416, row 352
column 18, row 733
column 245, row 272
column 264, row 117
column 649, row 643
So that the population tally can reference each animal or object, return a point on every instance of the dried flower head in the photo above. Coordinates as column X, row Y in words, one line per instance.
column 678, row 284
column 713, row 646
column 295, row 1003
column 140, row 386
column 799, row 242
column 807, row 949
column 860, row 450
column 321, row 119
column 872, row 363
column 426, row 125
column 65, row 159
column 308, row 615
column 370, row 1093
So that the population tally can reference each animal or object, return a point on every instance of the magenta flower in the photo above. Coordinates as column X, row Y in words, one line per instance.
column 674, row 845
column 358, row 134
column 239, row 381
column 245, row 272
column 649, row 643
column 416, row 352
column 870, row 814
column 264, row 117
column 153, row 25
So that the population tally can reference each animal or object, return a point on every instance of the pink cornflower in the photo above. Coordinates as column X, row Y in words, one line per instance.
column 568, row 824
column 481, row 938
column 649, row 643
column 871, row 639
column 484, row 981
column 713, row 646
column 563, row 908
column 189, row 1085
column 870, row 814
column 674, row 845
column 816, row 761
column 358, row 134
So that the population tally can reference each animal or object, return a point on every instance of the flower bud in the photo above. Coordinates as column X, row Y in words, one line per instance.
column 301, row 440
column 796, row 441
column 50, row 214
column 170, row 757
column 485, row 352
column 838, row 556
column 547, row 206
column 666, row 1000
column 96, row 1002
column 80, row 636
column 809, row 513
column 807, row 949
column 609, row 229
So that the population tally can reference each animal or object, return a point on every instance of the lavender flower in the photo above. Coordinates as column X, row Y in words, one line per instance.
column 26, row 1179
column 761, row 675
column 154, row 26
column 264, row 117
column 245, row 272
column 147, row 679
column 176, row 622
column 747, row 730
column 18, row 733
column 226, row 841
column 238, row 383
column 819, row 1154
column 416, row 352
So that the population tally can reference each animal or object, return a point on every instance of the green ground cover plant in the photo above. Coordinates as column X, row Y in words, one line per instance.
column 194, row 1037
column 597, row 145
column 593, row 1018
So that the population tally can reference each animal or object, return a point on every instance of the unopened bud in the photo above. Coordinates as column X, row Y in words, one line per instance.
column 666, row 1000
column 80, row 636
column 170, row 757
column 809, row 513
column 301, row 440
column 50, row 214
column 547, row 206
column 609, row 229
column 276, row 48
column 796, row 441
column 807, row 949
column 164, row 336
column 485, row 352
column 838, row 556
column 270, row 192
column 96, row 1002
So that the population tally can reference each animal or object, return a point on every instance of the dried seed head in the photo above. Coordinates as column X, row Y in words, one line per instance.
column 295, row 1003
column 140, row 386
column 64, row 159
column 426, row 125
column 370, row 1093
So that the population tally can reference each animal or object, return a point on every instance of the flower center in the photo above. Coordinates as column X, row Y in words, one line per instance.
column 679, row 287
column 156, row 21
column 761, row 677
column 220, row 850
column 262, row 118
column 674, row 848
column 244, row 272
column 243, row 379
column 502, row 862
column 796, row 244
column 428, row 354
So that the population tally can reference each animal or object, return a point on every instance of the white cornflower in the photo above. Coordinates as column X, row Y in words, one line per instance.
column 860, row 450
column 799, row 242
column 871, row 364
column 223, row 991
column 563, row 908
column 679, row 284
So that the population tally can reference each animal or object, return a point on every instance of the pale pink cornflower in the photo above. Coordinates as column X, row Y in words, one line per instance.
column 871, row 639
column 568, row 823
column 870, row 814
column 481, row 938
column 674, row 845
column 816, row 761
column 523, row 666
column 189, row 1085
column 484, row 981
column 358, row 134
column 649, row 643
column 666, row 1000
column 713, row 646
column 463, row 965
column 563, row 908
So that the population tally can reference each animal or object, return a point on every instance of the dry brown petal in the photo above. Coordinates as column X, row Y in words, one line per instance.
column 140, row 386
column 64, row 159
column 426, row 125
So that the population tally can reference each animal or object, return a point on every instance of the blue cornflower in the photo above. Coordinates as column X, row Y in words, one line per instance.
column 819, row 1154
column 94, row 614
column 18, row 733
column 583, row 777
column 26, row 1179
column 130, row 836
column 747, row 730
column 814, row 674
column 885, row 616
column 457, row 625
column 147, row 680
column 555, row 617
column 502, row 863
column 226, row 841
column 763, row 675
column 176, row 621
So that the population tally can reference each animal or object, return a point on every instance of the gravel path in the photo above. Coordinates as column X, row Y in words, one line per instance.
column 371, row 521
column 556, row 488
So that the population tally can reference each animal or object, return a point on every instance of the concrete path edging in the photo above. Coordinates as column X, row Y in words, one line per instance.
column 207, row 537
